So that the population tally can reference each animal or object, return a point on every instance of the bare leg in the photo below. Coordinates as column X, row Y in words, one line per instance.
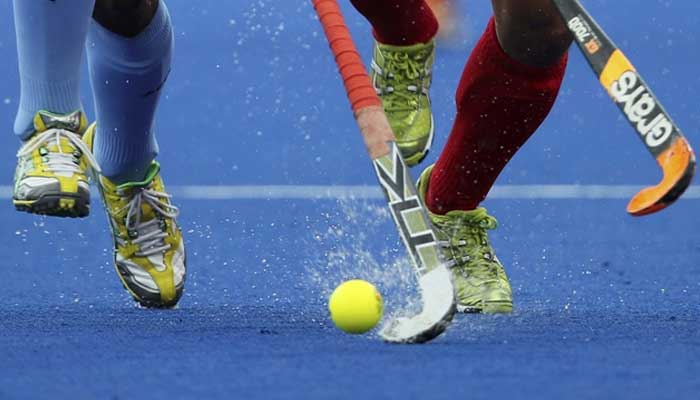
column 125, row 17
column 531, row 31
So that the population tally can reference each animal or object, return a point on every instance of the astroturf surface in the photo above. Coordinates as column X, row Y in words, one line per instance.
column 606, row 305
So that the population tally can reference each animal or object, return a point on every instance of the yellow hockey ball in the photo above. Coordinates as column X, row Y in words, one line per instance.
column 356, row 306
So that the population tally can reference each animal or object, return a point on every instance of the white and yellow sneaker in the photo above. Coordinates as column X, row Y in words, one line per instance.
column 149, row 252
column 51, row 175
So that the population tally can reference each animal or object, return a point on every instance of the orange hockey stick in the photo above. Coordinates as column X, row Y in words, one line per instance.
column 640, row 107
column 408, row 212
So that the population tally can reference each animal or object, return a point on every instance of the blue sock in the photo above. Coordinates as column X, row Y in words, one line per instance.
column 127, row 76
column 50, row 41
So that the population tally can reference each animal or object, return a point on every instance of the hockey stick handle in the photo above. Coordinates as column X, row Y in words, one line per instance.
column 408, row 212
column 640, row 107
column 365, row 103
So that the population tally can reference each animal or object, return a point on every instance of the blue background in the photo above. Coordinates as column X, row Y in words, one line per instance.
column 606, row 305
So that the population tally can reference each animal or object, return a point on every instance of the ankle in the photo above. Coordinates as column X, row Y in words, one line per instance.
column 125, row 17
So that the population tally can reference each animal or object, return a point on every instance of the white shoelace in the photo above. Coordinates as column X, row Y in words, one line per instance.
column 58, row 161
column 150, row 235
column 388, row 89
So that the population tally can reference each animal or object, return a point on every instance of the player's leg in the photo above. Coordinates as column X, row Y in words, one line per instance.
column 129, row 52
column 531, row 32
column 401, row 69
column 50, row 176
column 507, row 89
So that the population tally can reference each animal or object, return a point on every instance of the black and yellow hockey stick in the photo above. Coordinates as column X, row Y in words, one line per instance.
column 640, row 107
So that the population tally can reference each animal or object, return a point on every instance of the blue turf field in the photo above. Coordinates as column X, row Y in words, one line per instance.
column 607, row 306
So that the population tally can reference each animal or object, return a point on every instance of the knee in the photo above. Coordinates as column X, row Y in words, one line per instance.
column 125, row 17
column 540, row 40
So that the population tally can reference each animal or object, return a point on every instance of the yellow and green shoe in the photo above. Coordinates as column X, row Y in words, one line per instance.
column 480, row 281
column 149, row 251
column 402, row 75
column 51, row 174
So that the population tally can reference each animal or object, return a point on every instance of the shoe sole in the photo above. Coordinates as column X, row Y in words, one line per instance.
column 143, row 299
column 56, row 205
column 491, row 308
column 155, row 304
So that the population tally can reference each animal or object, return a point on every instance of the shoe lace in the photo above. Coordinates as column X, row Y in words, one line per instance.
column 402, row 84
column 149, row 236
column 468, row 247
column 59, row 161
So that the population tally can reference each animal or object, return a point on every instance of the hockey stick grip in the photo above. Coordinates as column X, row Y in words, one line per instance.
column 365, row 103
column 357, row 84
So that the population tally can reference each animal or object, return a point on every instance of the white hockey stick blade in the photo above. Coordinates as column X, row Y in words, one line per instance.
column 418, row 235
column 438, row 309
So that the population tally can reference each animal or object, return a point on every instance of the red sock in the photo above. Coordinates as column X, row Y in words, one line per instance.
column 500, row 104
column 399, row 22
